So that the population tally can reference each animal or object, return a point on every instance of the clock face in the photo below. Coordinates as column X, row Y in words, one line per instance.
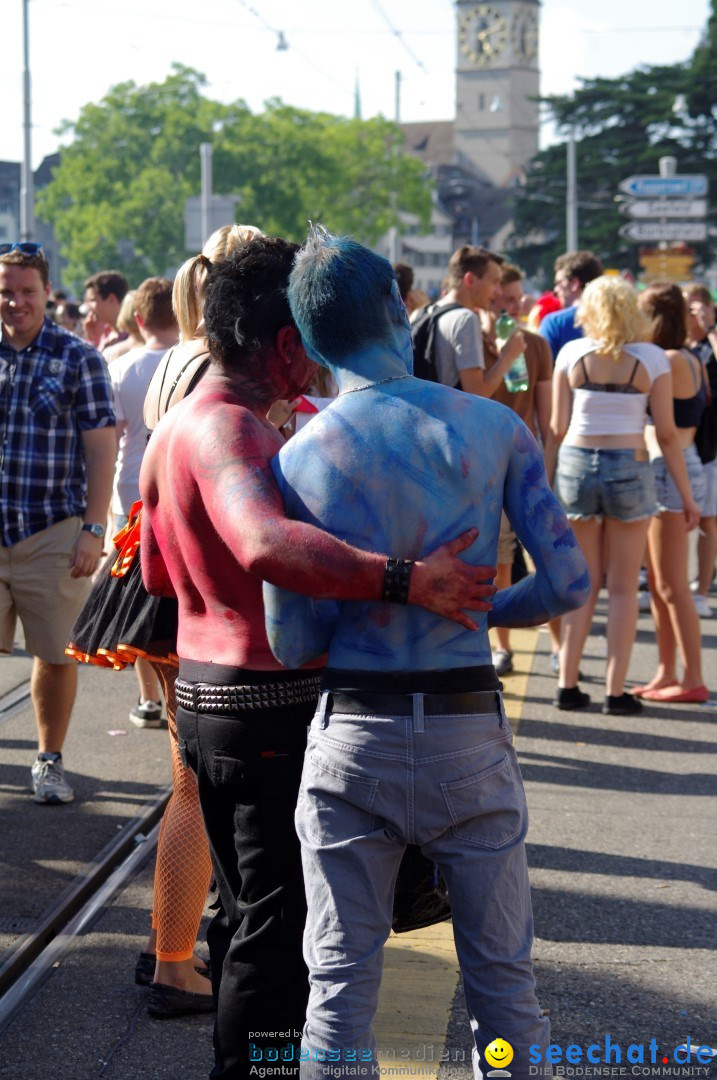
column 483, row 35
column 525, row 36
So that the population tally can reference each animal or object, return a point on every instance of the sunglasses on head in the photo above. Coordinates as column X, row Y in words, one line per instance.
column 25, row 247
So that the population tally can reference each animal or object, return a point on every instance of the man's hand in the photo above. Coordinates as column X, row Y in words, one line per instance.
column 85, row 555
column 512, row 349
column 442, row 583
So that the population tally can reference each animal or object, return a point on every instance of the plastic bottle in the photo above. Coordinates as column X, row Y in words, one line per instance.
column 516, row 377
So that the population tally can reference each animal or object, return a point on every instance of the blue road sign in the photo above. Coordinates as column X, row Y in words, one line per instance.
column 653, row 187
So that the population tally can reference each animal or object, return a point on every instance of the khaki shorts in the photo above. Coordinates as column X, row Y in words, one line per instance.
column 506, row 542
column 36, row 587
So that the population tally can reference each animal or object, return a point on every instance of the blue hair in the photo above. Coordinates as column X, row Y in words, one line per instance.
column 341, row 295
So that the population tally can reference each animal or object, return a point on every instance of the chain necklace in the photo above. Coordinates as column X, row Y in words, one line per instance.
column 370, row 386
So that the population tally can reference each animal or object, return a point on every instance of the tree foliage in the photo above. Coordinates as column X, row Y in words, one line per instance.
column 621, row 127
column 117, row 197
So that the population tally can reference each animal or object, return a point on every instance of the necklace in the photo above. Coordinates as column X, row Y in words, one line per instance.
column 370, row 386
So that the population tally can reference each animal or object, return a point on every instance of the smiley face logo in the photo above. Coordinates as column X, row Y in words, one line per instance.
column 499, row 1053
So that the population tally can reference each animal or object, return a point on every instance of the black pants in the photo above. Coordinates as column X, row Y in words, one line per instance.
column 248, row 769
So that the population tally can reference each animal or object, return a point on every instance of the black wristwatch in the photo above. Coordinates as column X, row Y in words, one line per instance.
column 96, row 530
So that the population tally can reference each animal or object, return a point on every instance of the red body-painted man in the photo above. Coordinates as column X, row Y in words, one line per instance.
column 214, row 526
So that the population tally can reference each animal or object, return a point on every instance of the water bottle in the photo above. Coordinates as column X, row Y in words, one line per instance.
column 516, row 377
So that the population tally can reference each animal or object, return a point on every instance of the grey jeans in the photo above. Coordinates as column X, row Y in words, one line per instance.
column 452, row 785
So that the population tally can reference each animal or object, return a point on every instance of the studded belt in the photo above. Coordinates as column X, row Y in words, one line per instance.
column 207, row 698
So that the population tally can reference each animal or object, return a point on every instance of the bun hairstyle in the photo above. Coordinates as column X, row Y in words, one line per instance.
column 191, row 278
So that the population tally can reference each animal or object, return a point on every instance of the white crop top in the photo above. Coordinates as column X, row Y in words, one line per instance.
column 598, row 412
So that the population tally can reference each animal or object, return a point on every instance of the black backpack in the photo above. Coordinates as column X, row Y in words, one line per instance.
column 423, row 335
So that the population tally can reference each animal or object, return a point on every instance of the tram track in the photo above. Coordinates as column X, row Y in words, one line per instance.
column 31, row 960
column 14, row 701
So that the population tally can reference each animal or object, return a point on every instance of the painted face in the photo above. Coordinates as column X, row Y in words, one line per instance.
column 509, row 299
column 486, row 288
column 22, row 302
column 499, row 1053
column 301, row 374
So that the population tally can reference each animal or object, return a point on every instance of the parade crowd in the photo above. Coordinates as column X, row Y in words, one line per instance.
column 234, row 482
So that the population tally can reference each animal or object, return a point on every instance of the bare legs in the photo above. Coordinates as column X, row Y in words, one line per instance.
column 576, row 624
column 626, row 550
column 53, row 688
column 676, row 618
column 147, row 680
column 614, row 548
column 706, row 554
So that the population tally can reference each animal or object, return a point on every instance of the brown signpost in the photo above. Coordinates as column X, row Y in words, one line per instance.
column 667, row 264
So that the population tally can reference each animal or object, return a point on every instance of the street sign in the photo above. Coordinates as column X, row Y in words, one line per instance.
column 652, row 187
column 665, row 208
column 641, row 231
column 221, row 212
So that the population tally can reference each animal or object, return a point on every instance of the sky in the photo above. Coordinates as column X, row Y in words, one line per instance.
column 80, row 48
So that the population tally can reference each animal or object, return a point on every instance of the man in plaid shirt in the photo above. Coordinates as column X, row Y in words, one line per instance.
column 57, row 453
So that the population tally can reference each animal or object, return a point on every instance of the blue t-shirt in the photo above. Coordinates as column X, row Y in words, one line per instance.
column 558, row 328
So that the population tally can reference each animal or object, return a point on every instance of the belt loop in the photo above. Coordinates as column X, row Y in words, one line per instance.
column 195, row 697
column 418, row 713
column 323, row 709
column 501, row 709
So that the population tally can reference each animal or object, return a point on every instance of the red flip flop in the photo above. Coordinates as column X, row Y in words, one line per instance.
column 646, row 690
column 698, row 695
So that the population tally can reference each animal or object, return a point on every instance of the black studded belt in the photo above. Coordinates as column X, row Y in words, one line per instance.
column 206, row 698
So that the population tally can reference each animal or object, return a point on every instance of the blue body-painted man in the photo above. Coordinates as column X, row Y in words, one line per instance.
column 410, row 743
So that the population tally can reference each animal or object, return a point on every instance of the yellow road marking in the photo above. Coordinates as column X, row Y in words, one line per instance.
column 421, row 968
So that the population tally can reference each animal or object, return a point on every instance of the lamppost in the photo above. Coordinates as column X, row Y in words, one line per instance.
column 571, row 202
column 27, row 200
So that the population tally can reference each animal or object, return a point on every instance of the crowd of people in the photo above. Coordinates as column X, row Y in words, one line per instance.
column 314, row 539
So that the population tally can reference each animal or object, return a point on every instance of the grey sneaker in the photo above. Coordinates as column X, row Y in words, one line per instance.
column 502, row 662
column 146, row 714
column 704, row 608
column 49, row 785
column 555, row 663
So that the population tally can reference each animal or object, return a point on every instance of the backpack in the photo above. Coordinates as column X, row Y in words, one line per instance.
column 423, row 335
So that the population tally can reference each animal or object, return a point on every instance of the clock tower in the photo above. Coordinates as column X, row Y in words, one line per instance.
column 497, row 75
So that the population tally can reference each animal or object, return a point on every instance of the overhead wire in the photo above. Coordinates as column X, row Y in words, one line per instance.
column 398, row 34
column 283, row 44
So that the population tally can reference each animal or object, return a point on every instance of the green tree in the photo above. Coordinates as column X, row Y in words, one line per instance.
column 621, row 127
column 117, row 197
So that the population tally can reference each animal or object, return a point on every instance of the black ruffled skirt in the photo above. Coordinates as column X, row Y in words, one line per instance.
column 120, row 620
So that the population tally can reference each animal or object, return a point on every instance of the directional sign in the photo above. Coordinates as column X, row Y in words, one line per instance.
column 665, row 208
column 652, row 187
column 641, row 231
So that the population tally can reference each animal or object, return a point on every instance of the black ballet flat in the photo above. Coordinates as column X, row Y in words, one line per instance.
column 166, row 1002
column 144, row 968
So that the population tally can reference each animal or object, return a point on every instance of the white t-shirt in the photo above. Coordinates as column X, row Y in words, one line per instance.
column 131, row 375
column 459, row 343
column 600, row 412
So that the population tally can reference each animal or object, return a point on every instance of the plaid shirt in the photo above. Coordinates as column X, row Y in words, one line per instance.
column 50, row 393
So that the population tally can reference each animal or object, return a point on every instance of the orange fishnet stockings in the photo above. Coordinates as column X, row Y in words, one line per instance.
column 183, row 870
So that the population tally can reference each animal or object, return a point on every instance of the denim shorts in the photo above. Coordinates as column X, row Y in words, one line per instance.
column 592, row 483
column 668, row 497
column 710, row 506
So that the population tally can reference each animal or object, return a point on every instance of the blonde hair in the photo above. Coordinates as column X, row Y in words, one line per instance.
column 608, row 313
column 126, row 322
column 191, row 279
